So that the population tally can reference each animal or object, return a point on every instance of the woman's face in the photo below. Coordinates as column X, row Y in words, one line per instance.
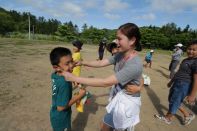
column 192, row 51
column 123, row 43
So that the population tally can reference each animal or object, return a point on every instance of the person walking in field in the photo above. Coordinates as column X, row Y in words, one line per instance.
column 183, row 87
column 176, row 57
column 148, row 58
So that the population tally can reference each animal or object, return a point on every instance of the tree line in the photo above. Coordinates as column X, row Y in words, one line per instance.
column 164, row 37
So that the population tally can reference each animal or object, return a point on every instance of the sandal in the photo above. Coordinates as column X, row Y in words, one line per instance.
column 163, row 118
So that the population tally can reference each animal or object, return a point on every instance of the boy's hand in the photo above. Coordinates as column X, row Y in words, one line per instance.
column 190, row 100
column 82, row 91
column 132, row 88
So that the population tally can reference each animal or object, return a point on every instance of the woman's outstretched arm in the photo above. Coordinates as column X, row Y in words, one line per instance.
column 97, row 82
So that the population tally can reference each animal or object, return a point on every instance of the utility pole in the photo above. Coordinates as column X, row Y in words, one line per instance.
column 33, row 32
column 29, row 25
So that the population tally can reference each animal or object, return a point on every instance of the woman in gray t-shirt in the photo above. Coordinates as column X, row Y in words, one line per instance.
column 128, row 70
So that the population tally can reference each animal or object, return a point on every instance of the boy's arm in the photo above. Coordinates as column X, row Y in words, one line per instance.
column 134, row 88
column 73, row 100
column 192, row 95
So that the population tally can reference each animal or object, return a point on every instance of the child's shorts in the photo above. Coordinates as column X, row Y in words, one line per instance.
column 108, row 119
column 178, row 92
column 148, row 61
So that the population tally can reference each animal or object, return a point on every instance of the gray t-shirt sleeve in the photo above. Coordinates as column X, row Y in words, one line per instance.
column 113, row 59
column 131, row 72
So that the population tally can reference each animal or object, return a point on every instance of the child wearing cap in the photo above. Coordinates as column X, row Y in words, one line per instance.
column 148, row 58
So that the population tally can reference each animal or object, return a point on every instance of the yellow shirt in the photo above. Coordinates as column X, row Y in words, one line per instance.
column 76, row 57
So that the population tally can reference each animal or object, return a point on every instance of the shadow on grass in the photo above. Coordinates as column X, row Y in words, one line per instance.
column 162, row 73
column 81, row 119
column 155, row 100
column 156, row 103
column 164, row 68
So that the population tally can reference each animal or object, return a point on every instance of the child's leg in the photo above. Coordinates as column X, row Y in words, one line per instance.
column 188, row 117
column 183, row 111
column 169, row 116
column 150, row 64
column 174, row 99
column 146, row 64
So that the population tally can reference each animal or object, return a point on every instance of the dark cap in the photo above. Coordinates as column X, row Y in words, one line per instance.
column 77, row 44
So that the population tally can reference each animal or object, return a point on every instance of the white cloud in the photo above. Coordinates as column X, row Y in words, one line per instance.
column 61, row 8
column 73, row 9
column 149, row 16
column 111, row 16
column 90, row 4
column 114, row 5
column 173, row 6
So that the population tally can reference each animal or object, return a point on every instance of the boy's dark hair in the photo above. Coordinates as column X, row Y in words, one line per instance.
column 192, row 43
column 77, row 44
column 57, row 53
column 131, row 30
column 111, row 46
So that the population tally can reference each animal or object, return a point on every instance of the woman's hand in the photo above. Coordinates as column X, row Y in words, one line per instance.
column 78, row 63
column 68, row 76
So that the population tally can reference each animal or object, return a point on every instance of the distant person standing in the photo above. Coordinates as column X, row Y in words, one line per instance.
column 102, row 47
column 176, row 57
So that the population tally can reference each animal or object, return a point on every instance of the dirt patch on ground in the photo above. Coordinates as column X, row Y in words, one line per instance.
column 25, row 90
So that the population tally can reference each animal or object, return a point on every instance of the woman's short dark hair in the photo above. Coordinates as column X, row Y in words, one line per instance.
column 131, row 30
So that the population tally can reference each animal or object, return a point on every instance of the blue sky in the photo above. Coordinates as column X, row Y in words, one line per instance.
column 111, row 13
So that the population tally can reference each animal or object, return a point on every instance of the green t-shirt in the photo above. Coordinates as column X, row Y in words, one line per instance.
column 61, row 95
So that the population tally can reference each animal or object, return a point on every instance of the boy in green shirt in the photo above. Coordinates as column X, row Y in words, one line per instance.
column 60, row 114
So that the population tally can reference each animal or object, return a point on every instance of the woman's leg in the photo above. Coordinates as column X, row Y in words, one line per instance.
column 106, row 127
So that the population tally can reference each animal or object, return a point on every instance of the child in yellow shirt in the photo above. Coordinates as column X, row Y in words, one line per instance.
column 77, row 45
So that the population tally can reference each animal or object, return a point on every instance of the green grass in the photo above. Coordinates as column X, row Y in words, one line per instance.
column 21, row 42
